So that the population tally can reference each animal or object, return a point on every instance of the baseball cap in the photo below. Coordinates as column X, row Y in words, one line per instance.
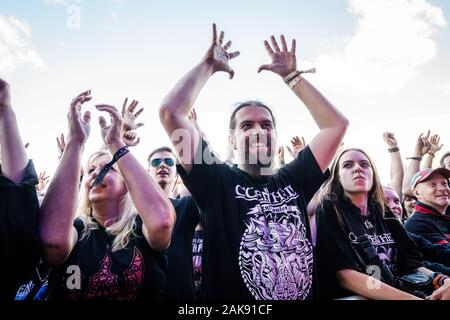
column 424, row 174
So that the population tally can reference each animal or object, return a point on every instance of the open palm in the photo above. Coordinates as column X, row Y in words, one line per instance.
column 283, row 61
column 217, row 55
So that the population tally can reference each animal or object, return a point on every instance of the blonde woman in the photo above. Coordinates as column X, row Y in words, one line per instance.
column 114, row 249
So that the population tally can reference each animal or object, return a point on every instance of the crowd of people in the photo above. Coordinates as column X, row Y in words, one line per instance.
column 194, row 226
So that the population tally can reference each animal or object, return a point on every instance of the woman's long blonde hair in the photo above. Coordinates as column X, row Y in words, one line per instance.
column 123, row 228
column 333, row 189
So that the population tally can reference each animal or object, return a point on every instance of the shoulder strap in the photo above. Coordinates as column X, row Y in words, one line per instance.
column 369, row 255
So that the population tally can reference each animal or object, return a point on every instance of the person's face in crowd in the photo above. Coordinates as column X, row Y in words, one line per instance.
column 113, row 186
column 254, row 136
column 410, row 204
column 393, row 202
column 434, row 192
column 446, row 163
column 162, row 169
column 355, row 172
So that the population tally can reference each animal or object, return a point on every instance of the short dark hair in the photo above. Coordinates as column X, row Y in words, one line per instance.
column 249, row 103
column 447, row 154
column 162, row 149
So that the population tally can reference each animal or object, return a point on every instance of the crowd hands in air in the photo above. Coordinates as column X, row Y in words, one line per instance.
column 137, row 232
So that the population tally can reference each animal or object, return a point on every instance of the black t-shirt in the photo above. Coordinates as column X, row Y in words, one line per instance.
column 257, row 241
column 136, row 272
column 19, row 245
column 36, row 288
column 335, row 244
column 180, row 276
column 430, row 224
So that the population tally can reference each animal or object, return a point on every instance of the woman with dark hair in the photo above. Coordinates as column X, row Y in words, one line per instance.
column 359, row 240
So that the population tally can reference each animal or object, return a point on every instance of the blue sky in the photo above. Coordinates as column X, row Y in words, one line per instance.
column 383, row 63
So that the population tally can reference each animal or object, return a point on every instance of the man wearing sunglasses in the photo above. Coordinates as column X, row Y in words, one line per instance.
column 180, row 274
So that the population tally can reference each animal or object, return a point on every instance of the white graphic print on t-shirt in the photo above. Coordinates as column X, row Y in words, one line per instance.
column 275, row 256
column 384, row 246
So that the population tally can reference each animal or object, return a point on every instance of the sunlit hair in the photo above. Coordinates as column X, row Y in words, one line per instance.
column 123, row 228
column 334, row 191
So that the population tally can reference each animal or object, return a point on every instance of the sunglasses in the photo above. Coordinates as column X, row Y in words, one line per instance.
column 167, row 161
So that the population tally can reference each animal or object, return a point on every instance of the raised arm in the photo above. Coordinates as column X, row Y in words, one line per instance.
column 177, row 104
column 434, row 147
column 14, row 157
column 59, row 206
column 397, row 169
column 152, row 204
column 422, row 147
column 331, row 122
column 297, row 146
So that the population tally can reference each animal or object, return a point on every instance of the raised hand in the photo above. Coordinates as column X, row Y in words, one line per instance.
column 280, row 153
column 129, row 117
column 114, row 132
column 423, row 145
column 283, row 61
column 217, row 56
column 61, row 144
column 297, row 146
column 434, row 144
column 79, row 127
column 390, row 139
column 192, row 117
column 131, row 139
column 5, row 96
column 43, row 181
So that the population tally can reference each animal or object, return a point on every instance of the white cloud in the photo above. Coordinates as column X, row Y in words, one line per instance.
column 62, row 2
column 392, row 40
column 15, row 48
column 444, row 88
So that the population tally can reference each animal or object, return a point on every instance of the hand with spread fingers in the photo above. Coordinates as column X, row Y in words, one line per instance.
column 423, row 145
column 43, row 181
column 79, row 126
column 434, row 144
column 218, row 56
column 61, row 144
column 284, row 61
column 297, row 146
column 131, row 139
column 129, row 116
column 113, row 133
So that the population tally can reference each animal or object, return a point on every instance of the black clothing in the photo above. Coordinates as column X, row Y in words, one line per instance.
column 136, row 272
column 19, row 244
column 257, row 242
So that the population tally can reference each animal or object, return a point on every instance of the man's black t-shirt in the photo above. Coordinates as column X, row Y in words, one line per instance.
column 430, row 224
column 136, row 272
column 257, row 242
column 180, row 275
column 19, row 245
column 335, row 244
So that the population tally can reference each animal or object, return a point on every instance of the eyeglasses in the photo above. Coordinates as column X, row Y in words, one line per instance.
column 167, row 161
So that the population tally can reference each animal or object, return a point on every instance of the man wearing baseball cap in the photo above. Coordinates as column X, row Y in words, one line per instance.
column 431, row 187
